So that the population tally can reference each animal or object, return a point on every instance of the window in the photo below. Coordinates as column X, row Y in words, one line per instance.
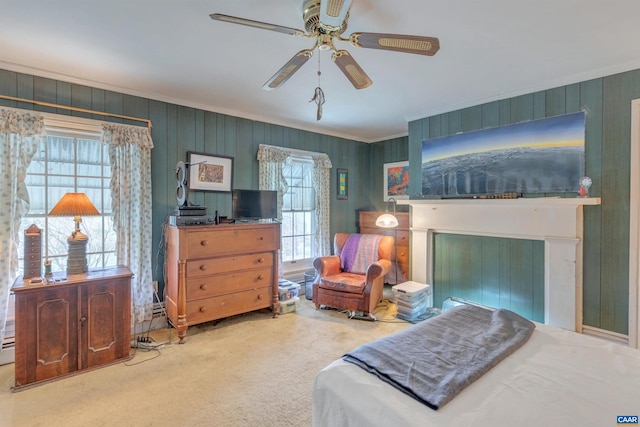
column 70, row 160
column 298, row 211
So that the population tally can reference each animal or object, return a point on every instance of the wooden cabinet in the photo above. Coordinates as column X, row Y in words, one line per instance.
column 216, row 271
column 71, row 324
column 367, row 225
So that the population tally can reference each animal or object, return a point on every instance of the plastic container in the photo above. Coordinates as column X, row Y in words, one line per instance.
column 408, row 290
column 287, row 290
column 288, row 306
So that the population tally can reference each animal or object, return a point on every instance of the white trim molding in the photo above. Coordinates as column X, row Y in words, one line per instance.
column 556, row 221
column 634, row 228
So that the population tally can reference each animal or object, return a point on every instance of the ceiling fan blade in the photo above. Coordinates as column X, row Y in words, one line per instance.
column 256, row 24
column 333, row 12
column 351, row 69
column 396, row 42
column 287, row 70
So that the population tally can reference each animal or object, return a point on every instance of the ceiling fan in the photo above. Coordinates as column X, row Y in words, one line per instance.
column 325, row 21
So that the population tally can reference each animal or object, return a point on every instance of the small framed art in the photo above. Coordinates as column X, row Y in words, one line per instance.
column 342, row 192
column 209, row 173
column 396, row 180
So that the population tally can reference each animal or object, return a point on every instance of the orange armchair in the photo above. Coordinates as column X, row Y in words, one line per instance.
column 356, row 291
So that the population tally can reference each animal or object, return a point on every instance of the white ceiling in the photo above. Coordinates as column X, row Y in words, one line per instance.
column 172, row 51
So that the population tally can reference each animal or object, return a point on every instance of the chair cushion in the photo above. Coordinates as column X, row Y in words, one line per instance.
column 344, row 282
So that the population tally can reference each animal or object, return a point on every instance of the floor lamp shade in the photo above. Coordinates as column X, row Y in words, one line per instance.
column 76, row 205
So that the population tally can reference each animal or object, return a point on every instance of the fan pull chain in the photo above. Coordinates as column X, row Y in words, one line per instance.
column 318, row 94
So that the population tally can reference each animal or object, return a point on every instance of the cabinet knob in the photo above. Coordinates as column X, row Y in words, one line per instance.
column 83, row 319
column 260, row 260
column 203, row 309
column 260, row 238
column 259, row 296
column 203, row 267
column 260, row 277
column 204, row 242
column 203, row 286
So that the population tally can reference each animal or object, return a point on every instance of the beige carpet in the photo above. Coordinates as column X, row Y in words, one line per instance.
column 249, row 370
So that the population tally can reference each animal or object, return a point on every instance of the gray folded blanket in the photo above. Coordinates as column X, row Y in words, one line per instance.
column 435, row 360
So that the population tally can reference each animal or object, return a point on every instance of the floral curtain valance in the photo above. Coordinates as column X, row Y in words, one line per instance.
column 115, row 134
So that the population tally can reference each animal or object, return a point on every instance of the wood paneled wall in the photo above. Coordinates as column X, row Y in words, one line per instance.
column 497, row 272
column 178, row 129
column 607, row 103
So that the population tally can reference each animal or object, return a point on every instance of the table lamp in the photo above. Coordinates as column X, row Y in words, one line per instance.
column 75, row 205
column 386, row 220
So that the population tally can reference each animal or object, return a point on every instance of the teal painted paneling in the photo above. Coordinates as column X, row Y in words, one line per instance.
column 178, row 129
column 501, row 273
column 607, row 104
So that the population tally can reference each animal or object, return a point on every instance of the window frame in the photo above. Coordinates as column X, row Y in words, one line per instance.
column 305, row 262
column 78, row 129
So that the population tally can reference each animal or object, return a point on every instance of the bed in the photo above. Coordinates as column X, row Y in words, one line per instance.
column 556, row 377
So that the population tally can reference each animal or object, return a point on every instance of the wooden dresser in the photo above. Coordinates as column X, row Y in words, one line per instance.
column 71, row 324
column 216, row 271
column 367, row 225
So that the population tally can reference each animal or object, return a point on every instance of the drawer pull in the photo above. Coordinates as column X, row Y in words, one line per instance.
column 259, row 296
column 203, row 267
column 203, row 309
column 204, row 242
column 260, row 238
column 260, row 277
column 203, row 286
column 260, row 260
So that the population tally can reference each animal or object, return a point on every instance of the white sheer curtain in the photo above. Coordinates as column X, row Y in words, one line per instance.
column 272, row 160
column 130, row 159
column 20, row 136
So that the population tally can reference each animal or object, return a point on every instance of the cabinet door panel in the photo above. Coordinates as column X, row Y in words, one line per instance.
column 46, row 335
column 102, row 325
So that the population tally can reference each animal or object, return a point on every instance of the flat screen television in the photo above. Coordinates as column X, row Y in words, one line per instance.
column 254, row 204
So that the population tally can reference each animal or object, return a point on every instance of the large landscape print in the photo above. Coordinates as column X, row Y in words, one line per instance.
column 539, row 156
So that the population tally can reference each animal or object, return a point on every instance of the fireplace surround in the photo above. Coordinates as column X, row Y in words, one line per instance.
column 556, row 221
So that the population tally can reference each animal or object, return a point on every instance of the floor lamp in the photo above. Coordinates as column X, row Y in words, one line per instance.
column 386, row 220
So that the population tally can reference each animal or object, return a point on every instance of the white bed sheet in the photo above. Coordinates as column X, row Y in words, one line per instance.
column 558, row 378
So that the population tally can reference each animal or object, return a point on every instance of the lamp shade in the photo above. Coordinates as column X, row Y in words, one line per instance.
column 386, row 220
column 74, row 204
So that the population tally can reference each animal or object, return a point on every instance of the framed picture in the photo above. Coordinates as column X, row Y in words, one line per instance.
column 343, row 184
column 396, row 180
column 209, row 173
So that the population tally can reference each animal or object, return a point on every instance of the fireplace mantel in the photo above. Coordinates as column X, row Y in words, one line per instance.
column 556, row 221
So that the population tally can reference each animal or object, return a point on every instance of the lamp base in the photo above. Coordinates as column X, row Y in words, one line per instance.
column 77, row 259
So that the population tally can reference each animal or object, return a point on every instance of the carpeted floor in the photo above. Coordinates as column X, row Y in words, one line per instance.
column 248, row 370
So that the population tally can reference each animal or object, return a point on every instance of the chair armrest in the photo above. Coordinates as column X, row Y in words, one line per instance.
column 377, row 269
column 327, row 265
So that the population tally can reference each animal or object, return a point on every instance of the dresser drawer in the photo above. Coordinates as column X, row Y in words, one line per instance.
column 207, row 267
column 401, row 235
column 202, row 244
column 368, row 220
column 204, row 287
column 227, row 305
